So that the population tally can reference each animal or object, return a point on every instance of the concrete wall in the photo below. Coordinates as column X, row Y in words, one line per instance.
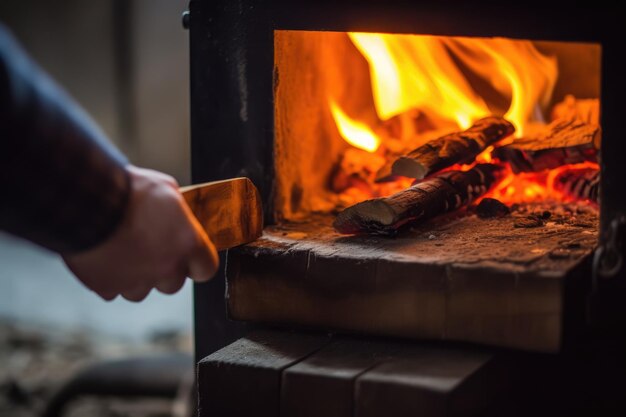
column 78, row 43
column 161, row 76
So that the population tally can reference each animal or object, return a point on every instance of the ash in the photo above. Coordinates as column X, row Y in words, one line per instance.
column 543, row 237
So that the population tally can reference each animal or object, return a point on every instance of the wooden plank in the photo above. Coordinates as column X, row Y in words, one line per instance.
column 243, row 379
column 323, row 383
column 464, row 279
column 433, row 382
column 301, row 288
column 524, row 309
column 230, row 211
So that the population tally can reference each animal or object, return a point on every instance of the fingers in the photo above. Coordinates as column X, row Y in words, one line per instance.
column 203, row 259
column 136, row 294
column 158, row 244
column 107, row 295
column 173, row 284
column 203, row 262
column 157, row 175
column 75, row 265
column 170, row 285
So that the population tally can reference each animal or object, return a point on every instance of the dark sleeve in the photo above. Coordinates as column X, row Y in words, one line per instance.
column 62, row 184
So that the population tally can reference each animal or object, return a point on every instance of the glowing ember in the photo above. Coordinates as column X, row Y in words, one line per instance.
column 534, row 186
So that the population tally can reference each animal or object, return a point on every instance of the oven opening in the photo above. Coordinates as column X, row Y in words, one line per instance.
column 428, row 187
column 362, row 116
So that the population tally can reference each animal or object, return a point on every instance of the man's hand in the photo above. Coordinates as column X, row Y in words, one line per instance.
column 157, row 245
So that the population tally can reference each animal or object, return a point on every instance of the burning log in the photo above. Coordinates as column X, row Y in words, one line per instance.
column 563, row 142
column 454, row 148
column 442, row 193
column 384, row 174
column 579, row 183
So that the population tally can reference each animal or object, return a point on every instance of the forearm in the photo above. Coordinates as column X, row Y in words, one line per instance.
column 62, row 184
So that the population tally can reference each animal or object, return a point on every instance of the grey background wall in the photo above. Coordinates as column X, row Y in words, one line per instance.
column 126, row 62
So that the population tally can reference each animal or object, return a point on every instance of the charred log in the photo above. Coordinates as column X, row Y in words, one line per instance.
column 445, row 192
column 454, row 148
column 579, row 183
column 563, row 142
column 490, row 207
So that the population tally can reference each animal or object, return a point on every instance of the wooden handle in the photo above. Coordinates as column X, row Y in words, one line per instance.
column 230, row 211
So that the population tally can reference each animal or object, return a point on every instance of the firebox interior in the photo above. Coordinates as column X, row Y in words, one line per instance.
column 505, row 280
column 314, row 68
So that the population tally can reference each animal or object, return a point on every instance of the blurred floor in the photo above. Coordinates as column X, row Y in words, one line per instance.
column 36, row 361
column 52, row 326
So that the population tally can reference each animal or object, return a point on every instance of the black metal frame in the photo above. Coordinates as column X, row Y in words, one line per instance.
column 232, row 93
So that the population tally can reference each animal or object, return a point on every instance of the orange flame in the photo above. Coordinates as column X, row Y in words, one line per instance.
column 515, row 69
column 417, row 72
column 458, row 80
column 354, row 132
column 425, row 72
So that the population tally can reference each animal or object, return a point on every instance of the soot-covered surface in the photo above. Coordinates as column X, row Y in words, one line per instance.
column 547, row 237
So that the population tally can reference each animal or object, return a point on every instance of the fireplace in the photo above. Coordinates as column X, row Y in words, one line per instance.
column 296, row 97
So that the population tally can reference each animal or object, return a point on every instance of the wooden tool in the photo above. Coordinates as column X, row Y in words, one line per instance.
column 230, row 211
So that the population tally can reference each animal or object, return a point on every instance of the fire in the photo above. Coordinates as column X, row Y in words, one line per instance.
column 410, row 71
column 354, row 132
column 416, row 71
column 533, row 186
column 513, row 68
column 422, row 72
column 438, row 77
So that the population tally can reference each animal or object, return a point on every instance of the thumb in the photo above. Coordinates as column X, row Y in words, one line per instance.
column 203, row 260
